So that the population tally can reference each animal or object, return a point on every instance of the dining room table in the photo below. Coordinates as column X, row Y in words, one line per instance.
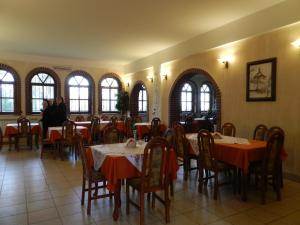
column 236, row 151
column 55, row 133
column 144, row 128
column 11, row 129
column 117, row 162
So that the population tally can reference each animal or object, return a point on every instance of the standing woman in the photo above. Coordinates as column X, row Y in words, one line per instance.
column 61, row 111
column 47, row 117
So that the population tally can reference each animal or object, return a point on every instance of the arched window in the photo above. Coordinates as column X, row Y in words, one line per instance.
column 205, row 97
column 186, row 98
column 79, row 93
column 109, row 90
column 7, row 92
column 42, row 86
column 142, row 100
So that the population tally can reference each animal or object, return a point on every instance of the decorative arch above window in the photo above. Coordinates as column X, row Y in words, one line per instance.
column 9, row 90
column 205, row 97
column 79, row 89
column 139, row 101
column 186, row 98
column 143, row 100
column 41, row 83
column 109, row 87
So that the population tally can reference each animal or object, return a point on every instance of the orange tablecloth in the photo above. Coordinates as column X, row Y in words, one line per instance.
column 115, row 168
column 145, row 129
column 54, row 135
column 9, row 130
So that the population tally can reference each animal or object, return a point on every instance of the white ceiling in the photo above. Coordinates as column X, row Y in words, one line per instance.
column 111, row 31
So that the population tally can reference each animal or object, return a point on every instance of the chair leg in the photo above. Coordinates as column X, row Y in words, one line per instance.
column 167, row 205
column 216, row 185
column 278, row 186
column 263, row 189
column 89, row 198
column 153, row 201
column 142, row 208
column 172, row 188
column 200, row 182
column 127, row 199
column 83, row 191
column 96, row 189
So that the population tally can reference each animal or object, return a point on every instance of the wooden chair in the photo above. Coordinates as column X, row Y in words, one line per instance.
column 228, row 129
column 270, row 167
column 155, row 127
column 188, row 124
column 79, row 118
column 128, row 127
column 260, row 132
column 113, row 121
column 268, row 135
column 182, row 150
column 67, row 139
column 111, row 135
column 95, row 130
column 209, row 163
column 23, row 131
column 154, row 177
column 104, row 117
column 138, row 119
column 90, row 176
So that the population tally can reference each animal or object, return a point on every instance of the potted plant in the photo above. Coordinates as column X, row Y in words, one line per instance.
column 122, row 102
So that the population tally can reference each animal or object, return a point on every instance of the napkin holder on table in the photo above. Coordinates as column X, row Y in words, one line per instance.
column 130, row 143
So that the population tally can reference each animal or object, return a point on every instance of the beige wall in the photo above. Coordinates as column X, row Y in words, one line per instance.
column 24, row 67
column 284, row 112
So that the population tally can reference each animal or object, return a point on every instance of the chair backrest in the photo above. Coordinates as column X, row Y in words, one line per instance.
column 169, row 135
column 95, row 128
column 90, row 117
column 180, row 141
column 68, row 130
column 272, row 130
column 78, row 144
column 111, row 135
column 138, row 119
column 113, row 120
column 271, row 161
column 155, row 127
column 104, row 117
column 228, row 129
column 175, row 123
column 260, row 132
column 24, row 126
column 155, row 169
column 188, row 124
column 79, row 118
column 128, row 127
column 206, row 146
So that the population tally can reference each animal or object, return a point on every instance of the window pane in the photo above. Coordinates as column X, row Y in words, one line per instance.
column 141, row 95
column 105, row 93
column 7, row 90
column 37, row 105
column 206, row 106
column 74, row 91
column 189, row 96
column 72, row 81
column 144, row 106
column 36, row 80
column 74, row 105
column 188, row 106
column 78, row 79
column 206, row 97
column 113, row 93
column 144, row 95
column 105, row 106
column 84, row 93
column 183, row 96
column 84, row 82
column 37, row 91
column 202, row 97
column 7, row 105
column 49, row 92
column 113, row 106
column 140, row 106
column 8, row 78
column 2, row 73
column 49, row 80
column 84, row 105
column 183, row 106
column 114, row 83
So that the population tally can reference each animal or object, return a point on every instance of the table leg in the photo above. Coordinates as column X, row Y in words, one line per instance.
column 244, row 186
column 9, row 142
column 117, row 197
column 36, row 140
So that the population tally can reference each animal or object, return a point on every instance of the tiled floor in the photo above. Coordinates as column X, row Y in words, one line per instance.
column 48, row 192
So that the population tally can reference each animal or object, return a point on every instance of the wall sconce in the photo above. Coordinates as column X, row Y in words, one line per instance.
column 296, row 43
column 128, row 83
column 225, row 60
column 150, row 78
column 165, row 76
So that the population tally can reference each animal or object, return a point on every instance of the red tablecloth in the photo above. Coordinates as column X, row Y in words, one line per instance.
column 55, row 135
column 145, row 129
column 10, row 130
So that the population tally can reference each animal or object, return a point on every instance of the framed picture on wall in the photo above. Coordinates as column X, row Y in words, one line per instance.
column 261, row 80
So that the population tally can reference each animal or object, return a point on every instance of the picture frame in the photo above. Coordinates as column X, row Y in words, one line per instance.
column 261, row 80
